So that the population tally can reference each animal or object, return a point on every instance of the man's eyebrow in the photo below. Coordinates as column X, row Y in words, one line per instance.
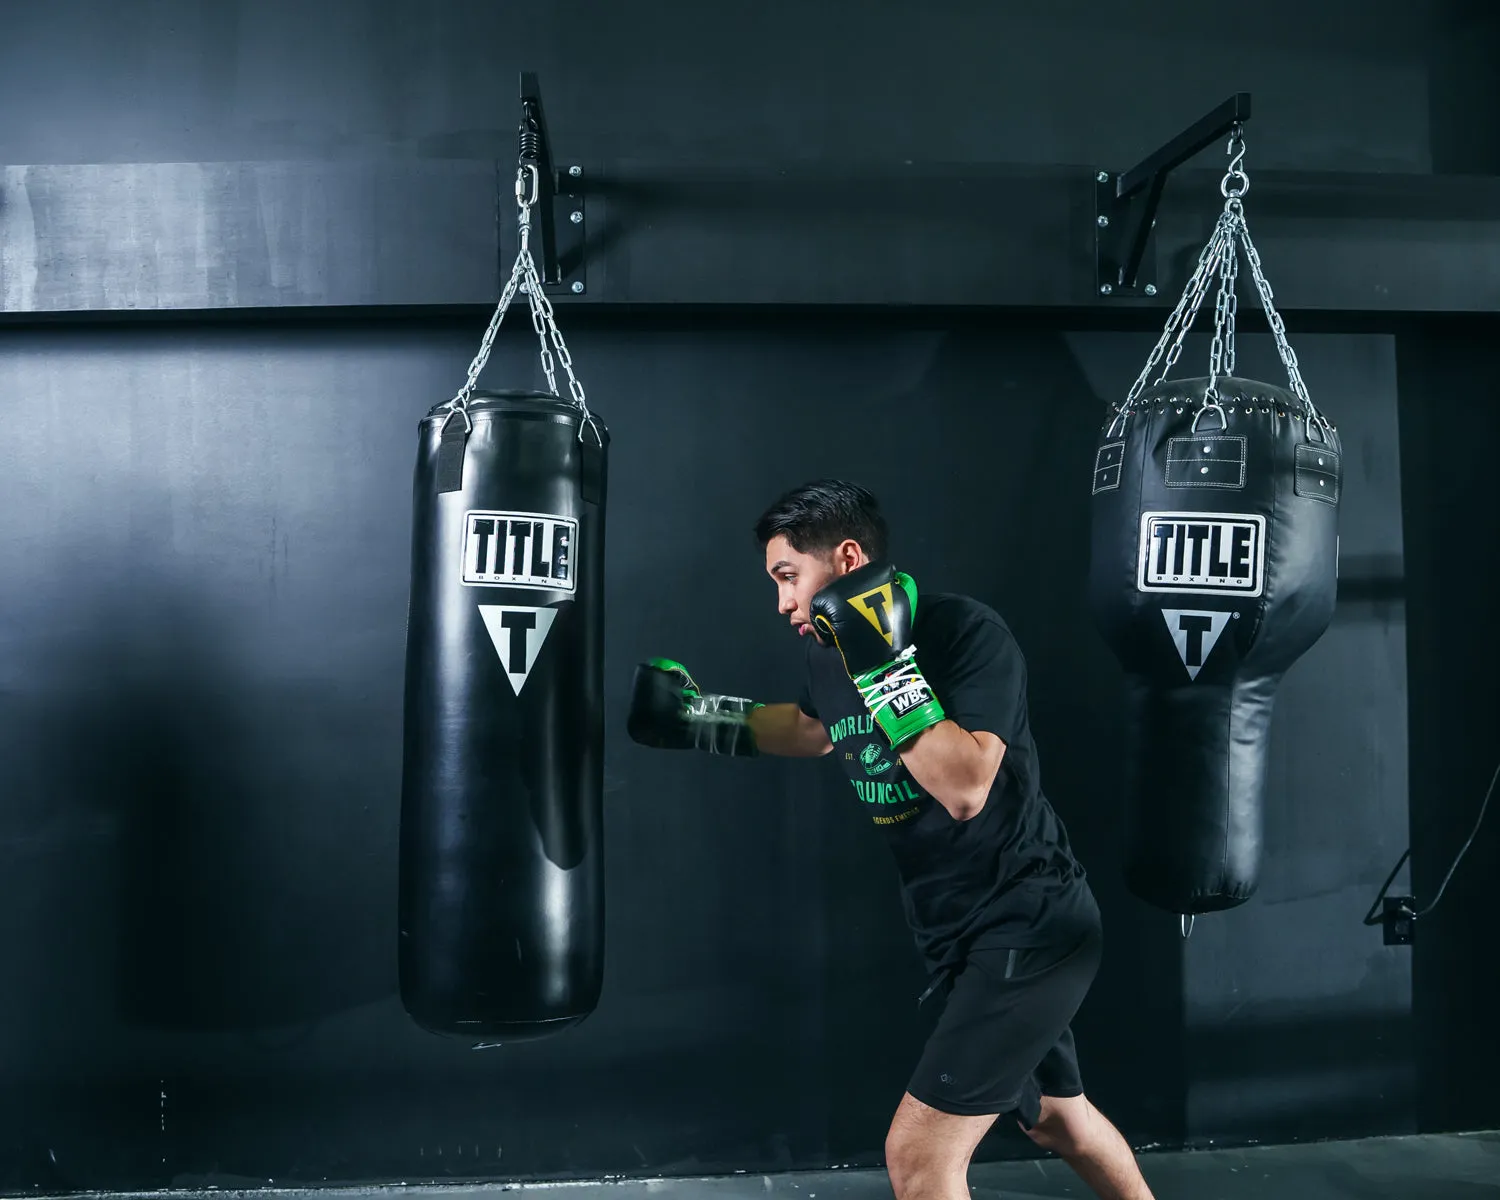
column 779, row 566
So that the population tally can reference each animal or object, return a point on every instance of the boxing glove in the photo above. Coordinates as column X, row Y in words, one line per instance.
column 868, row 614
column 668, row 711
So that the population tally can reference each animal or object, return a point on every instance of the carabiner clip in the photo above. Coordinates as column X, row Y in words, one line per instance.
column 536, row 185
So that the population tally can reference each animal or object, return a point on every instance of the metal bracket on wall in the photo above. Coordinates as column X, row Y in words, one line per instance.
column 559, row 210
column 1126, row 204
column 1399, row 919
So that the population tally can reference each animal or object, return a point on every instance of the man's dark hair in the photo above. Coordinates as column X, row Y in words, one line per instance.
column 817, row 516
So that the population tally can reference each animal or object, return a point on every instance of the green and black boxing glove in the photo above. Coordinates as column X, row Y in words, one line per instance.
column 868, row 614
column 669, row 712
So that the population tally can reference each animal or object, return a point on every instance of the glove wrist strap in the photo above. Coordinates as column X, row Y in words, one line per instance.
column 900, row 699
column 721, row 724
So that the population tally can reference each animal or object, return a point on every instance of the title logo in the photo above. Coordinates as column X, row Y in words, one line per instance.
column 519, row 549
column 518, row 633
column 1195, row 635
column 875, row 606
column 1210, row 553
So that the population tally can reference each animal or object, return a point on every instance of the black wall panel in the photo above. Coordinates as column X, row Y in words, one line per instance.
column 1344, row 85
column 204, row 538
column 1450, row 424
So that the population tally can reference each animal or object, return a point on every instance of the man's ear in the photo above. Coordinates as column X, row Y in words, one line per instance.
column 848, row 556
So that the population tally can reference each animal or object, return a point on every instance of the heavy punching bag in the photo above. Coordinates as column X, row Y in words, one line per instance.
column 1213, row 569
column 501, row 906
column 501, row 861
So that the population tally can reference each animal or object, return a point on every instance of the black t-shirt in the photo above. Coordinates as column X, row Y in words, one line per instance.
column 1006, row 877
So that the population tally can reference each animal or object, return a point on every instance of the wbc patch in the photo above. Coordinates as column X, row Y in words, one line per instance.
column 903, row 702
column 1222, row 554
column 519, row 549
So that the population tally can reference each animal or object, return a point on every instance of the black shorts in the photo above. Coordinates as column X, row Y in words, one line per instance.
column 1004, row 1038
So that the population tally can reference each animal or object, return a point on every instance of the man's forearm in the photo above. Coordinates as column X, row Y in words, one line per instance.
column 953, row 766
column 786, row 730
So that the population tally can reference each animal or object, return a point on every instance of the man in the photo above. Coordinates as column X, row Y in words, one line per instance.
column 924, row 699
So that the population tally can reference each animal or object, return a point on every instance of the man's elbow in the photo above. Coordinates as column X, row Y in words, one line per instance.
column 968, row 803
column 970, row 800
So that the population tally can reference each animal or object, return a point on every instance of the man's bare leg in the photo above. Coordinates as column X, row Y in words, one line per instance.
column 1083, row 1137
column 927, row 1152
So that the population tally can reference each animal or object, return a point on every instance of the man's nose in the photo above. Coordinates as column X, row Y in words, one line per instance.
column 788, row 604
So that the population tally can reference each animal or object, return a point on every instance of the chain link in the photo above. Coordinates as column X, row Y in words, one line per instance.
column 1221, row 247
column 1221, row 354
column 1220, row 258
column 543, row 319
column 1187, row 306
column 524, row 276
column 1278, row 328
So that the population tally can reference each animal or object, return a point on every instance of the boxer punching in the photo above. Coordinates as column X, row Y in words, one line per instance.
column 923, row 696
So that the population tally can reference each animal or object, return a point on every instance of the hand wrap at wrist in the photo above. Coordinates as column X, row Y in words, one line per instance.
column 721, row 724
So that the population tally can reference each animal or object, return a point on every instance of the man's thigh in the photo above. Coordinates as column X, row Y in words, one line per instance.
column 1003, row 1037
column 925, row 1138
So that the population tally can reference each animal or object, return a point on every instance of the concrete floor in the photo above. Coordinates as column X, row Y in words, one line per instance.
column 1433, row 1167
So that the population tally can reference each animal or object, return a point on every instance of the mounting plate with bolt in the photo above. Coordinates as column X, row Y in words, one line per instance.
column 1125, row 204
column 561, row 218
column 1399, row 916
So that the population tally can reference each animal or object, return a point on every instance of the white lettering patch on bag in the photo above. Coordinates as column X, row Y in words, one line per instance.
column 519, row 549
column 1221, row 554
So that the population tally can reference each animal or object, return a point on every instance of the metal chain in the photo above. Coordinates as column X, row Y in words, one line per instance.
column 1221, row 353
column 1232, row 187
column 545, row 322
column 1220, row 257
column 517, row 274
column 1192, row 293
column 1223, row 245
column 1278, row 329
column 540, row 327
column 524, row 276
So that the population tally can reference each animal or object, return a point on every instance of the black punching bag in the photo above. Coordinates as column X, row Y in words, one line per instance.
column 1213, row 569
column 501, row 864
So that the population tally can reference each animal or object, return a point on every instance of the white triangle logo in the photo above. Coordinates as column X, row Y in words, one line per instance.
column 1195, row 634
column 518, row 633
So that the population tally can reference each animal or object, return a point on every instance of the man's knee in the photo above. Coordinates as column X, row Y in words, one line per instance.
column 907, row 1162
column 1062, row 1126
column 927, row 1151
column 917, row 1163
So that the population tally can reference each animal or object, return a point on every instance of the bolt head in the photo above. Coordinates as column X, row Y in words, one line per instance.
column 577, row 288
column 575, row 172
column 1102, row 177
column 576, row 217
column 1103, row 221
column 1106, row 289
column 1151, row 289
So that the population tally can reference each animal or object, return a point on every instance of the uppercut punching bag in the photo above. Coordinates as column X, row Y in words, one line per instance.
column 1213, row 569
column 501, row 860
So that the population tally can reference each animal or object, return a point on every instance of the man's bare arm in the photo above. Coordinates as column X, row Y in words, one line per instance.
column 785, row 730
column 955, row 767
